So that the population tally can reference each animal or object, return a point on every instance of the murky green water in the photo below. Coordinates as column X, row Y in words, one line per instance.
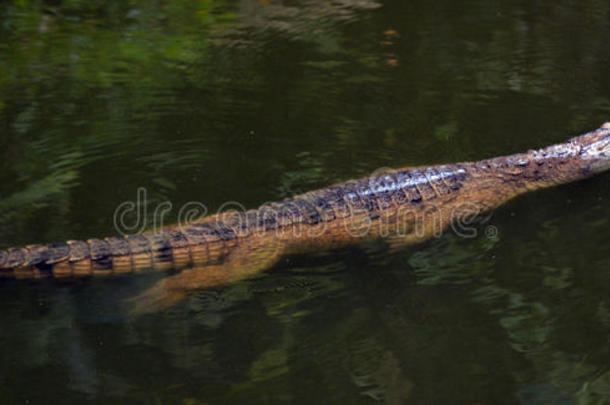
column 252, row 101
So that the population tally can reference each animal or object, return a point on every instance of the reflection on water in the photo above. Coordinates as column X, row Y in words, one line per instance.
column 253, row 101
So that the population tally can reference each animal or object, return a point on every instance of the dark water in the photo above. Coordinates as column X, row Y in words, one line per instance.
column 252, row 101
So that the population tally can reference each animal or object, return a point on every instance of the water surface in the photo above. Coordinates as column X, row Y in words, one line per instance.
column 252, row 101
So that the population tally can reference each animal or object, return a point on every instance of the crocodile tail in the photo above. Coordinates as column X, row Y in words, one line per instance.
column 163, row 251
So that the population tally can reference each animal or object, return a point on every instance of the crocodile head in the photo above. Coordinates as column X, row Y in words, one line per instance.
column 578, row 158
column 595, row 149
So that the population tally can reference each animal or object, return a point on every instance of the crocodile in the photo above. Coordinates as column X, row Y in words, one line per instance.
column 400, row 206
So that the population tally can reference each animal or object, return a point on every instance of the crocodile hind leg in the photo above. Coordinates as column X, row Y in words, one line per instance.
column 250, row 257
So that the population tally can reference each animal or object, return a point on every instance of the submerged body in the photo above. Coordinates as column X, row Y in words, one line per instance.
column 401, row 206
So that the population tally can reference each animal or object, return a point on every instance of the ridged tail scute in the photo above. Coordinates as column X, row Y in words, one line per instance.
column 101, row 256
column 80, row 257
column 181, row 250
column 160, row 251
column 139, row 248
column 32, row 260
column 120, row 257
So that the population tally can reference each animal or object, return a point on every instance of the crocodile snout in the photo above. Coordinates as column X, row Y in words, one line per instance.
column 595, row 148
